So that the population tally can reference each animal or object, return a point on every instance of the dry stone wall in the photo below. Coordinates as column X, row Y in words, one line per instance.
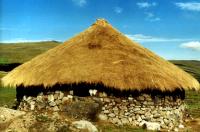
column 166, row 111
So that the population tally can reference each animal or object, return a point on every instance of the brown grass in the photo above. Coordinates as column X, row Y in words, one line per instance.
column 101, row 54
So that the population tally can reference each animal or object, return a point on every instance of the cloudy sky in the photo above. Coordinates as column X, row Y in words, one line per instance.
column 170, row 28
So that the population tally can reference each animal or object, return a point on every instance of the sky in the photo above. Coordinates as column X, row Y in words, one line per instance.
column 170, row 28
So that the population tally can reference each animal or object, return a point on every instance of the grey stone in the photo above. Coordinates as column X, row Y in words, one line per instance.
column 106, row 111
column 141, row 98
column 58, row 102
column 52, row 104
column 61, row 95
column 124, row 121
column 130, row 98
column 181, row 126
column 39, row 98
column 102, row 117
column 83, row 124
column 55, row 108
column 139, row 119
column 41, row 105
column 7, row 115
column 117, row 100
column 32, row 106
column 111, row 115
column 50, row 98
column 151, row 126
column 56, row 96
column 136, row 109
column 115, row 108
column 166, row 121
column 64, row 100
column 107, row 100
column 156, row 115
column 127, row 113
column 116, row 121
column 71, row 92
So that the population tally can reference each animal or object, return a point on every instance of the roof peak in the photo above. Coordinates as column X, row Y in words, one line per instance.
column 101, row 22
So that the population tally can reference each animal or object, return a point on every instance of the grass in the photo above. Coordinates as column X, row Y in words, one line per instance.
column 21, row 52
column 190, row 66
column 108, row 127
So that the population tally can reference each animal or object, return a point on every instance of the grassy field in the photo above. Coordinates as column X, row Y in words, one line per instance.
column 20, row 53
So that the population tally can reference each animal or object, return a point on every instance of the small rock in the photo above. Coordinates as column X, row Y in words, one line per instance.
column 61, row 95
column 141, row 98
column 103, row 117
column 106, row 111
column 117, row 100
column 106, row 100
column 52, row 104
column 32, row 106
column 130, row 119
column 130, row 98
column 50, row 98
column 124, row 121
column 176, row 129
column 116, row 121
column 55, row 108
column 136, row 109
column 64, row 100
column 24, row 97
column 181, row 126
column 2, row 118
column 71, row 92
column 111, row 115
column 41, row 105
column 40, row 94
column 39, row 99
column 70, row 97
column 29, row 98
column 56, row 96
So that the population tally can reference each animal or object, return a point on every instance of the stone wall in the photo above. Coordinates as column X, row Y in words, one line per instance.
column 166, row 111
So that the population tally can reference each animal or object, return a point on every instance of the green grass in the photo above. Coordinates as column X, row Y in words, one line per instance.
column 190, row 66
column 108, row 127
column 22, row 52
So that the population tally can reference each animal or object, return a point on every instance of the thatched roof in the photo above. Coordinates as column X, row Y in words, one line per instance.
column 101, row 54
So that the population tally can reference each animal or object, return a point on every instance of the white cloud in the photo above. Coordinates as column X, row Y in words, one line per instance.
column 146, row 4
column 151, row 17
column 118, row 10
column 193, row 45
column 21, row 40
column 145, row 38
column 192, row 6
column 80, row 3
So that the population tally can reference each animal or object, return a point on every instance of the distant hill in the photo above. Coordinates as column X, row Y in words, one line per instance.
column 22, row 52
column 190, row 66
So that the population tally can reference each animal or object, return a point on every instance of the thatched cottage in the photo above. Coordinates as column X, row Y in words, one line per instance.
column 133, row 83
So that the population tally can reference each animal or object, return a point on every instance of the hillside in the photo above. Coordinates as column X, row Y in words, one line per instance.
column 21, row 52
column 190, row 66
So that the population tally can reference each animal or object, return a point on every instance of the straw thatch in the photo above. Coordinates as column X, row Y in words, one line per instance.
column 101, row 55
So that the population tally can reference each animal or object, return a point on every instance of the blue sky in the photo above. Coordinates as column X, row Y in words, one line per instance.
column 170, row 28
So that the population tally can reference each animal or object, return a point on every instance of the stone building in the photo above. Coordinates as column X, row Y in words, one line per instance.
column 133, row 84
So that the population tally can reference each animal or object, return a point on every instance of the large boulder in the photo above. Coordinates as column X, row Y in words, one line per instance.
column 86, row 125
column 8, row 115
column 153, row 126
